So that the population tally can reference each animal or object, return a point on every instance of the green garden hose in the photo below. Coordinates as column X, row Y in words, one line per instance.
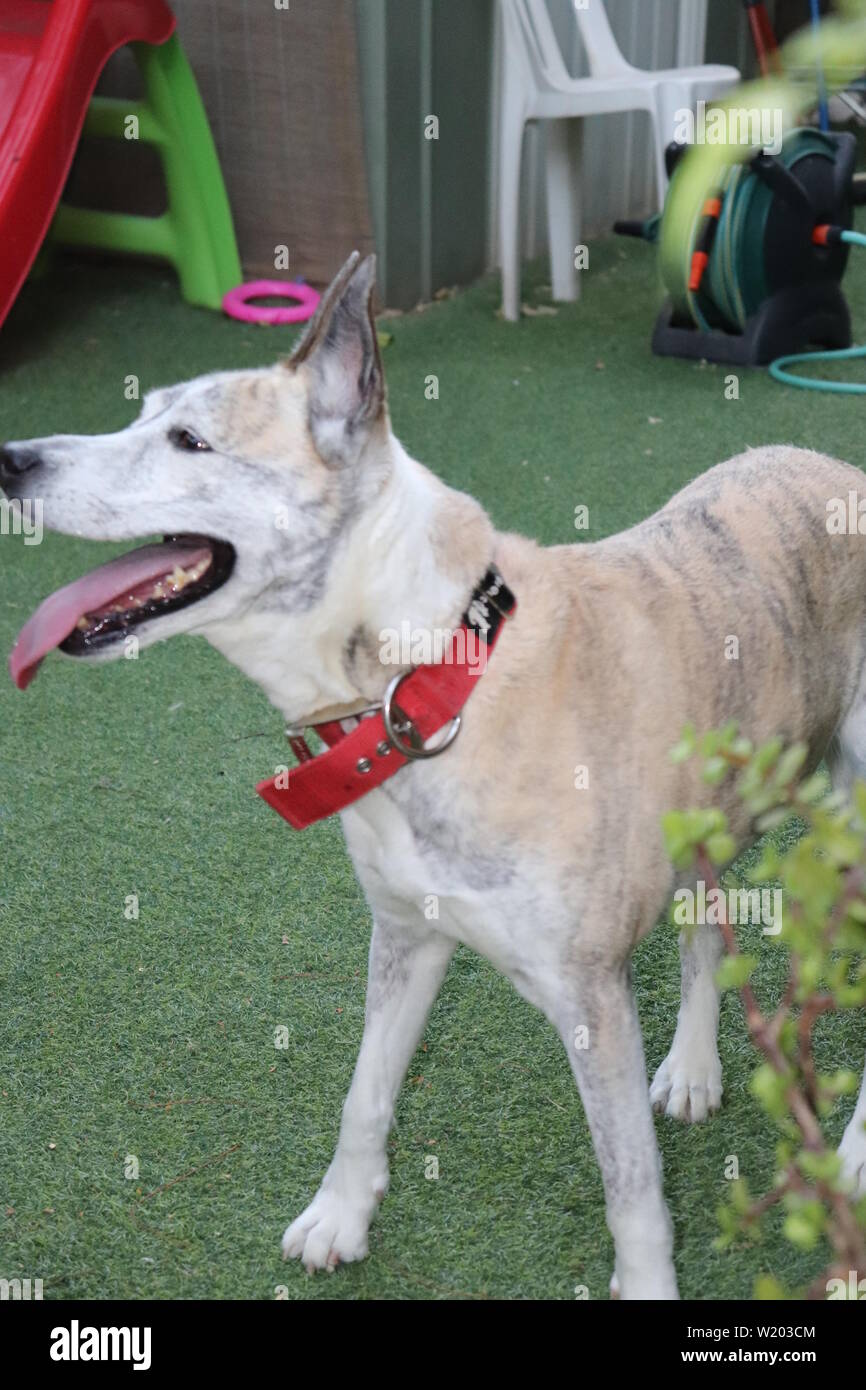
column 850, row 388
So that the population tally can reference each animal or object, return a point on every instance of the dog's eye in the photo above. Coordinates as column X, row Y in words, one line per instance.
column 185, row 439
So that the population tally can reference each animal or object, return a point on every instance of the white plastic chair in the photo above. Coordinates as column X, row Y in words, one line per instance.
column 536, row 85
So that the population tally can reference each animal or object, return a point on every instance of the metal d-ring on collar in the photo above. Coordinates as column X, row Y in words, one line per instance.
column 398, row 723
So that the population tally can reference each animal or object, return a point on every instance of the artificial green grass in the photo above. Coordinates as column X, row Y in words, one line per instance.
column 154, row 1038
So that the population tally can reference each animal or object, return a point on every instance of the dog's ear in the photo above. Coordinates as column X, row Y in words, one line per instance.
column 341, row 352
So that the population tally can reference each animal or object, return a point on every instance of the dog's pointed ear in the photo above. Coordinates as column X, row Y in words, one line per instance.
column 341, row 353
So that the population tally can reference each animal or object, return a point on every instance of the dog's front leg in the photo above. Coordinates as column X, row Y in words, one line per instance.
column 407, row 966
column 688, row 1084
column 599, row 1025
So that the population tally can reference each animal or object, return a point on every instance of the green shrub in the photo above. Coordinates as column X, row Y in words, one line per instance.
column 823, row 876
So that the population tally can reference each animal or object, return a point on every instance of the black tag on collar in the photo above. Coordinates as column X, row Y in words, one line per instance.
column 491, row 602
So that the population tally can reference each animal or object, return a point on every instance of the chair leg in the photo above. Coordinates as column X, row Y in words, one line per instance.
column 510, row 154
column 204, row 250
column 669, row 99
column 659, row 144
column 562, row 176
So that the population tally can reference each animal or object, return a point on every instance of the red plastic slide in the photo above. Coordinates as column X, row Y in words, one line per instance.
column 51, row 55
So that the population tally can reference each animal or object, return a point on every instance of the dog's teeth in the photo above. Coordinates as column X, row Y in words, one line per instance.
column 168, row 587
column 179, row 578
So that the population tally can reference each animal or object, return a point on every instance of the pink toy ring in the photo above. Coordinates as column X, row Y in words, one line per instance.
column 236, row 303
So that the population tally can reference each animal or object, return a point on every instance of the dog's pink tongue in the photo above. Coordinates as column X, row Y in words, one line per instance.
column 58, row 615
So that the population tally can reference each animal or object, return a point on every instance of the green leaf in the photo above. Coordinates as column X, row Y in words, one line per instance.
column 771, row 1090
column 715, row 771
column 841, row 1083
column 771, row 819
column 767, row 755
column 735, row 971
column 686, row 746
column 720, row 847
column 844, row 847
column 821, row 1167
column 804, row 1225
column 679, row 842
column 813, row 788
column 789, row 764
column 767, row 868
column 702, row 823
column 768, row 1289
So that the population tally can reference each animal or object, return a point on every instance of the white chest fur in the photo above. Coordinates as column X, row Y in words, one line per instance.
column 515, row 922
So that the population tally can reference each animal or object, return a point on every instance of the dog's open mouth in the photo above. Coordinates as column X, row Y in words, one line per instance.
column 105, row 605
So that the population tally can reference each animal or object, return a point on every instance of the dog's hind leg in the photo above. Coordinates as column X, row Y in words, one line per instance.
column 596, row 1016
column 406, row 968
column 846, row 756
column 688, row 1084
column 846, row 759
column 852, row 1150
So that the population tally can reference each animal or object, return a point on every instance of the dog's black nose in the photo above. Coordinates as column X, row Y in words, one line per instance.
column 15, row 460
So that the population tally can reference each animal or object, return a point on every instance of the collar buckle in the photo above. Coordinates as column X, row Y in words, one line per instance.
column 397, row 724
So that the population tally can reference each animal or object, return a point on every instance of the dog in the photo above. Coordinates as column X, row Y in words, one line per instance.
column 298, row 530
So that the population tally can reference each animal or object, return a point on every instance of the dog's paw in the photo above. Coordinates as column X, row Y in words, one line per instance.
column 688, row 1085
column 852, row 1152
column 333, row 1230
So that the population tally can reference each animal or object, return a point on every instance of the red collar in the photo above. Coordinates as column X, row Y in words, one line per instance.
column 417, row 704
